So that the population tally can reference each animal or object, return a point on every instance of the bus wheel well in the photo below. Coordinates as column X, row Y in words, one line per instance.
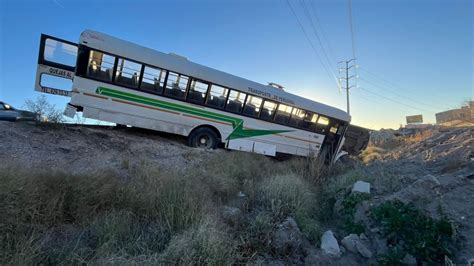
column 213, row 128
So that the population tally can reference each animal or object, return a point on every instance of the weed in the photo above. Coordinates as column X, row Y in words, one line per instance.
column 257, row 235
column 393, row 257
column 349, row 205
column 417, row 233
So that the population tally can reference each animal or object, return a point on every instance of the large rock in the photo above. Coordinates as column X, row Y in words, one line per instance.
column 287, row 238
column 355, row 244
column 361, row 187
column 349, row 242
column 329, row 244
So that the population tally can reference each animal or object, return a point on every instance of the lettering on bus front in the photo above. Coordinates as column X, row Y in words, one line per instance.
column 270, row 96
column 56, row 91
column 60, row 72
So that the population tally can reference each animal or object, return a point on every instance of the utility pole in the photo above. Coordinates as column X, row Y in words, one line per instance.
column 347, row 67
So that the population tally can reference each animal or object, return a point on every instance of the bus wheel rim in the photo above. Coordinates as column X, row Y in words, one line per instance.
column 203, row 141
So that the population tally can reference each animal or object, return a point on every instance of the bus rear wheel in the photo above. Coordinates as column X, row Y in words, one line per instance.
column 204, row 138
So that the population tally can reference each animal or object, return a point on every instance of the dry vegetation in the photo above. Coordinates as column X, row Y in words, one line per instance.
column 157, row 215
column 154, row 214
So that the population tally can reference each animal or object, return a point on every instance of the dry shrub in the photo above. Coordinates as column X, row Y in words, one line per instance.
column 311, row 168
column 122, row 214
column 205, row 244
column 287, row 194
column 372, row 153
column 50, row 198
column 418, row 137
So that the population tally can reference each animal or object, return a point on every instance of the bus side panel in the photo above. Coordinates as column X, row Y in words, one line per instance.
column 297, row 142
column 124, row 112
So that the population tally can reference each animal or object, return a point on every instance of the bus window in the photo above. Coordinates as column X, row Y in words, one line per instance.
column 267, row 110
column 322, row 124
column 153, row 80
column 297, row 117
column 176, row 85
column 310, row 121
column 236, row 101
column 100, row 66
column 252, row 106
column 128, row 73
column 217, row 96
column 334, row 128
column 60, row 52
column 283, row 113
column 197, row 91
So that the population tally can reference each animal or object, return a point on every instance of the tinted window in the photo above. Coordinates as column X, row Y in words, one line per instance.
column 283, row 113
column 267, row 110
column 176, row 85
column 252, row 106
column 2, row 107
column 100, row 65
column 236, row 101
column 217, row 96
column 297, row 117
column 153, row 79
column 197, row 91
column 128, row 73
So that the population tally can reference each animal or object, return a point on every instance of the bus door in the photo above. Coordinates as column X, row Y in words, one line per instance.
column 334, row 136
column 56, row 66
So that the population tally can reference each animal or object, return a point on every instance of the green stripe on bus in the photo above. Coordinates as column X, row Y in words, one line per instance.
column 237, row 123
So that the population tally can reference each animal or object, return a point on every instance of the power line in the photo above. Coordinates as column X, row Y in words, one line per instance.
column 309, row 40
column 396, row 87
column 395, row 101
column 400, row 95
column 324, row 35
column 374, row 101
column 351, row 26
column 315, row 31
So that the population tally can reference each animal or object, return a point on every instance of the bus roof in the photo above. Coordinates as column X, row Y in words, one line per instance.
column 176, row 63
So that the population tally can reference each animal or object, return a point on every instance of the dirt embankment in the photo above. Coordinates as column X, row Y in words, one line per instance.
column 87, row 149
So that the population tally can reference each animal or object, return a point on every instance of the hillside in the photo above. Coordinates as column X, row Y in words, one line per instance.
column 76, row 194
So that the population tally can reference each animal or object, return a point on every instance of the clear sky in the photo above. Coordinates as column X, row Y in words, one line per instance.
column 415, row 56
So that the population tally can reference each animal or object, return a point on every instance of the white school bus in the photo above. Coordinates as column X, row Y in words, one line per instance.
column 120, row 82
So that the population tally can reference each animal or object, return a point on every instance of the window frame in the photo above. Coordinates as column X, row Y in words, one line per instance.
column 189, row 89
column 257, row 116
column 139, row 77
column 289, row 117
column 114, row 66
column 143, row 74
column 225, row 98
column 185, row 89
column 274, row 110
column 240, row 112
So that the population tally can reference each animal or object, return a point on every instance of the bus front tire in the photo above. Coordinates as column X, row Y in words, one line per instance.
column 204, row 138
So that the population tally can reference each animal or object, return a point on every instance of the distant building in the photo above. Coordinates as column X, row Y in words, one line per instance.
column 414, row 119
column 463, row 116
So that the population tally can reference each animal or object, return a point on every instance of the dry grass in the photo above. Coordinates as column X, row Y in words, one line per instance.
column 372, row 153
column 418, row 137
column 156, row 216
